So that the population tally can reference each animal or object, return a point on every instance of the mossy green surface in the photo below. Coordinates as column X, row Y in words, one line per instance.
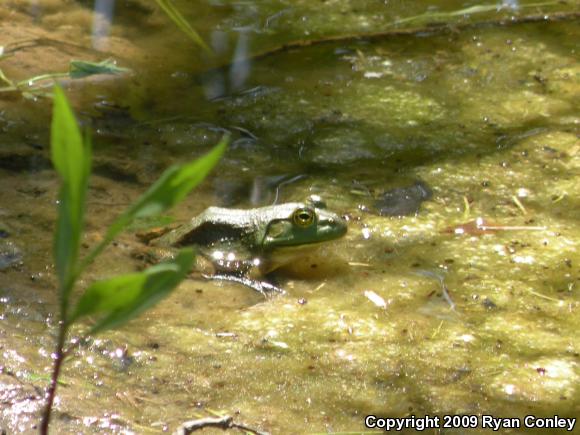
column 487, row 117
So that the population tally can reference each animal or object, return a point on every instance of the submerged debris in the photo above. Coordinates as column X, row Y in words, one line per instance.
column 403, row 201
column 10, row 255
column 375, row 299
column 444, row 289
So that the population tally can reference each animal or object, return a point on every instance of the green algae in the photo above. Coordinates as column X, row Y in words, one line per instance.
column 479, row 119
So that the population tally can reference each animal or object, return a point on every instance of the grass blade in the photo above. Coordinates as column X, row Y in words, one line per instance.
column 182, row 23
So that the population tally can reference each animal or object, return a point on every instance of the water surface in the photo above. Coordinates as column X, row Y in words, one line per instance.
column 423, row 314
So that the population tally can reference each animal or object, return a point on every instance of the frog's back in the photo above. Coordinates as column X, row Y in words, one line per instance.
column 214, row 225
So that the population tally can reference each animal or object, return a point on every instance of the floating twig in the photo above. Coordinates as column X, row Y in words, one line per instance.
column 322, row 284
column 559, row 198
column 357, row 264
column 519, row 204
column 467, row 208
column 480, row 226
column 437, row 331
column 560, row 301
column 226, row 422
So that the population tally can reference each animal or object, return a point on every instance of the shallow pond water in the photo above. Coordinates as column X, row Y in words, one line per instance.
column 466, row 305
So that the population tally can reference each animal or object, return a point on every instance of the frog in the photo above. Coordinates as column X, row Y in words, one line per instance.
column 244, row 245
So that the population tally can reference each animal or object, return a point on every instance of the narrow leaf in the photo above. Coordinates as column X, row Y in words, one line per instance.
column 122, row 298
column 71, row 158
column 67, row 149
column 82, row 68
column 171, row 188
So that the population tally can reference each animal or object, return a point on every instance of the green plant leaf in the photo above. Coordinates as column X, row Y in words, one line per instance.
column 71, row 157
column 176, row 183
column 171, row 188
column 82, row 68
column 182, row 23
column 124, row 297
column 10, row 83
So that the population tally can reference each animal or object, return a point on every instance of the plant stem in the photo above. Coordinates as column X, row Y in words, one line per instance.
column 60, row 355
column 31, row 81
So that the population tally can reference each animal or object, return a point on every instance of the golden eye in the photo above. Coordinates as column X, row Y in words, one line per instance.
column 303, row 217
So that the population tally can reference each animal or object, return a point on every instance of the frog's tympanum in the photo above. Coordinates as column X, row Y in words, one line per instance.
column 242, row 245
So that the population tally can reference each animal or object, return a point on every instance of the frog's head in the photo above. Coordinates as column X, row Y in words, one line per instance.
column 297, row 224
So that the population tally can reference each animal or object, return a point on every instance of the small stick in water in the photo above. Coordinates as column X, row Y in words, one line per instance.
column 480, row 226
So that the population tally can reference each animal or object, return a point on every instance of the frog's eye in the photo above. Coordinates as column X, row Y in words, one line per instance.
column 304, row 217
